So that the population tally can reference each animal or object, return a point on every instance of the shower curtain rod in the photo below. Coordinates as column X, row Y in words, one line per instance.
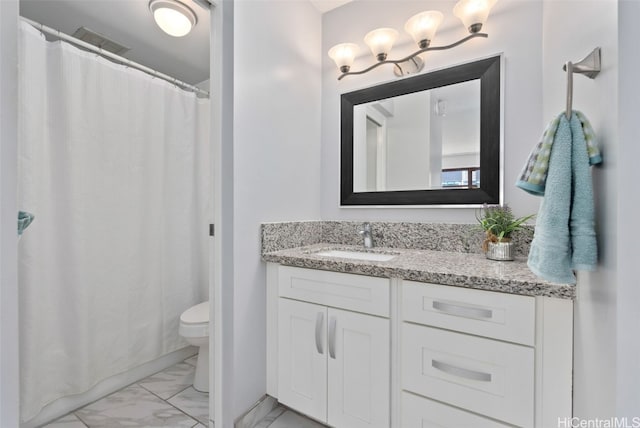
column 57, row 33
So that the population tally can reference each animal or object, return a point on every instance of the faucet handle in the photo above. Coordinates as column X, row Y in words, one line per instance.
column 366, row 234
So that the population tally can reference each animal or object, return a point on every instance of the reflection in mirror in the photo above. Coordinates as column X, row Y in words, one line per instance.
column 419, row 141
column 431, row 139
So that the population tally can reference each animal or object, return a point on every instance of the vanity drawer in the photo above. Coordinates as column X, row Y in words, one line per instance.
column 484, row 313
column 421, row 412
column 340, row 290
column 484, row 376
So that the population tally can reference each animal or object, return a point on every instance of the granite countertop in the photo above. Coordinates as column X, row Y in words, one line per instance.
column 437, row 267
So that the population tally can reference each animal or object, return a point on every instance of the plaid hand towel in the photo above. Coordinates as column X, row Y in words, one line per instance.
column 533, row 178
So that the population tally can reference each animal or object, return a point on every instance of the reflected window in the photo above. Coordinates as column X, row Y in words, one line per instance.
column 461, row 178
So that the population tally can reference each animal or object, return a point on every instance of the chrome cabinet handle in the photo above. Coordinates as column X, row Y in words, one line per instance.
column 319, row 322
column 460, row 371
column 462, row 311
column 332, row 337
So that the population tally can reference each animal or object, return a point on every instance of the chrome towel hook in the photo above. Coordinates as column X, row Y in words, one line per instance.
column 589, row 66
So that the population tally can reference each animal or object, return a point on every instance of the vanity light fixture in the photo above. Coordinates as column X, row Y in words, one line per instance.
column 473, row 13
column 380, row 42
column 422, row 27
column 344, row 55
column 173, row 17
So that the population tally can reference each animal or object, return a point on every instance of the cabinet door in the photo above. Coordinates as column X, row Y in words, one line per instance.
column 359, row 370
column 302, row 367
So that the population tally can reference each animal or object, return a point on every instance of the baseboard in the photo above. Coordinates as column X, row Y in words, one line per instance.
column 256, row 413
column 68, row 404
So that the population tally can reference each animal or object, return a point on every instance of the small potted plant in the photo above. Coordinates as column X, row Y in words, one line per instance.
column 499, row 223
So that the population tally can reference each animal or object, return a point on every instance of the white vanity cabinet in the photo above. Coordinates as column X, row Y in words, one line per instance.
column 355, row 351
column 333, row 362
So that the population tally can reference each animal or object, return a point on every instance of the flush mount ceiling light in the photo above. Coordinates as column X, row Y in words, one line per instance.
column 173, row 17
column 422, row 28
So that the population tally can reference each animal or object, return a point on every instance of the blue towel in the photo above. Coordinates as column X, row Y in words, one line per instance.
column 24, row 220
column 564, row 237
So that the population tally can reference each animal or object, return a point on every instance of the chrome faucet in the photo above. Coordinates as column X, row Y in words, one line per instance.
column 366, row 235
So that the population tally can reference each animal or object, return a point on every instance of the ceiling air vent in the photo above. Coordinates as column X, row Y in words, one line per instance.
column 100, row 41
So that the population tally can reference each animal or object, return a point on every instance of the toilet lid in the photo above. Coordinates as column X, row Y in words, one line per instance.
column 197, row 314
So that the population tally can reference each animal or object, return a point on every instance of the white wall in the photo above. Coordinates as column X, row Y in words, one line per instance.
column 461, row 131
column 465, row 160
column 436, row 143
column 408, row 143
column 592, row 23
column 221, row 272
column 276, row 158
column 514, row 27
column 628, row 315
column 9, row 382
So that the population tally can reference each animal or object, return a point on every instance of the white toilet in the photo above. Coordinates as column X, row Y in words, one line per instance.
column 194, row 327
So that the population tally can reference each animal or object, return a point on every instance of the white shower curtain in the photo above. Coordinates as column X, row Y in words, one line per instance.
column 115, row 166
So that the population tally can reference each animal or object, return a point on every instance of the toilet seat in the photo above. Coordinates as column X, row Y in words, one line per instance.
column 194, row 322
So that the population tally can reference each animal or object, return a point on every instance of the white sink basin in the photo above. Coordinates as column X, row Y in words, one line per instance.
column 359, row 255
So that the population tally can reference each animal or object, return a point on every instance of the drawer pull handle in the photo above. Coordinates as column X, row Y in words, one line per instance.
column 462, row 311
column 332, row 337
column 461, row 372
column 319, row 322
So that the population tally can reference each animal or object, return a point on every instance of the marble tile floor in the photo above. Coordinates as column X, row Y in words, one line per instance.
column 282, row 417
column 165, row 399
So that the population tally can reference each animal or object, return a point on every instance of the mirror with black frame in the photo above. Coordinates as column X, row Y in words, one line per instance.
column 432, row 139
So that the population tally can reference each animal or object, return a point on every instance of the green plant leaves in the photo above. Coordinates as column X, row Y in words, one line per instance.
column 500, row 221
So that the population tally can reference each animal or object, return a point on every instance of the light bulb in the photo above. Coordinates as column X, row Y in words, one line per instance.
column 173, row 17
column 380, row 42
column 423, row 27
column 344, row 54
column 473, row 13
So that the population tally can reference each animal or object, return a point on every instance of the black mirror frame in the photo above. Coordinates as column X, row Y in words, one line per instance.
column 488, row 72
